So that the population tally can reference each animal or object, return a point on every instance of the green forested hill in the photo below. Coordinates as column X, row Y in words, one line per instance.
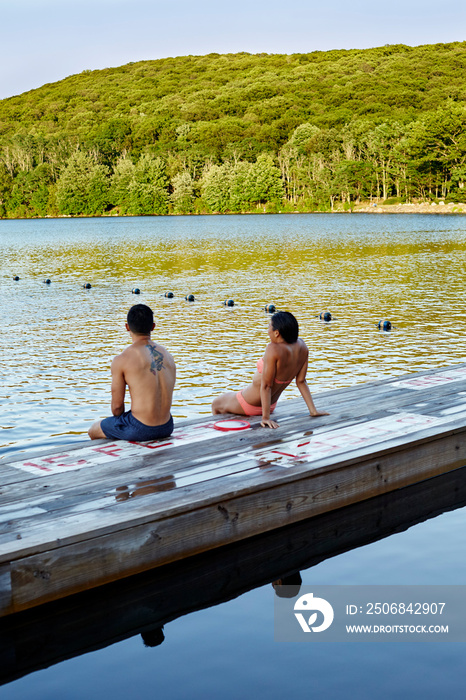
column 236, row 132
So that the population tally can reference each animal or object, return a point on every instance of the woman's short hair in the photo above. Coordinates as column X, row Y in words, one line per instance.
column 140, row 319
column 285, row 323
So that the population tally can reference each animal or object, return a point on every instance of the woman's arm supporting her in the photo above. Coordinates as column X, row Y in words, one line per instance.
column 267, row 378
column 303, row 387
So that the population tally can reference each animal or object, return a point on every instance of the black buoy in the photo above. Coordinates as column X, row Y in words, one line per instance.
column 88, row 285
column 270, row 308
column 189, row 297
column 16, row 278
column 384, row 326
column 228, row 302
column 169, row 295
column 325, row 316
column 136, row 290
column 47, row 281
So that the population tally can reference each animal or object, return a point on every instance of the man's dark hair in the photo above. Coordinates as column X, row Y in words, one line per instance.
column 140, row 319
column 286, row 324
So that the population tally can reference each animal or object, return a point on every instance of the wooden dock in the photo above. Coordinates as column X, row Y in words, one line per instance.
column 74, row 519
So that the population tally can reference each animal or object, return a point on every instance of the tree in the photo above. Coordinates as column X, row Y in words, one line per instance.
column 239, row 173
column 148, row 188
column 263, row 182
column 353, row 178
column 304, row 137
column 6, row 182
column 215, row 187
column 111, row 140
column 83, row 186
column 120, row 184
column 30, row 192
column 183, row 193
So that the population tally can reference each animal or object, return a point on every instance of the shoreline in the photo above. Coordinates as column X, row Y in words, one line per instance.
column 362, row 208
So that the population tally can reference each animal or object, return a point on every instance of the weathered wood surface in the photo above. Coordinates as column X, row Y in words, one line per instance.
column 81, row 517
column 142, row 604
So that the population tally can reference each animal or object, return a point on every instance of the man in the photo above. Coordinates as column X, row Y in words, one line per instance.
column 149, row 372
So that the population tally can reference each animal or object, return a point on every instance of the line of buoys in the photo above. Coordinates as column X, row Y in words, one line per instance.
column 383, row 324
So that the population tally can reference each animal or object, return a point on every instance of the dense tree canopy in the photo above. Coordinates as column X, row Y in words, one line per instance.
column 239, row 132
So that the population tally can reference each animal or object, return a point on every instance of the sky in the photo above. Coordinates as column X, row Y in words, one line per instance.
column 42, row 41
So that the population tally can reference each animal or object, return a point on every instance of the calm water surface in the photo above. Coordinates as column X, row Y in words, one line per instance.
column 56, row 345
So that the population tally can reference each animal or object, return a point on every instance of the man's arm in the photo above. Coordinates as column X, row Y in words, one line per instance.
column 118, row 387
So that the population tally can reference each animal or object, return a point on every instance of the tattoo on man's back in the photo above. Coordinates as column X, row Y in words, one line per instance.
column 157, row 359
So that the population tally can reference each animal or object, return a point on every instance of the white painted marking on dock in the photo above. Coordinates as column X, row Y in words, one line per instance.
column 90, row 505
column 453, row 409
column 30, row 504
column 431, row 380
column 217, row 456
column 93, row 455
column 343, row 440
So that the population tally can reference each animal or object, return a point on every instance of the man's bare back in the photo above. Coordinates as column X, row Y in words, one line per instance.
column 149, row 372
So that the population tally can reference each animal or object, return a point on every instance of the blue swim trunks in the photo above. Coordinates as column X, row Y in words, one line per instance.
column 127, row 427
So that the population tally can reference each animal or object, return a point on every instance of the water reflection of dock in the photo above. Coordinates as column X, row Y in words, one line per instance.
column 145, row 603
column 76, row 519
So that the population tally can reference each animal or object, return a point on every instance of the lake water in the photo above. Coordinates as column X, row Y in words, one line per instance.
column 56, row 345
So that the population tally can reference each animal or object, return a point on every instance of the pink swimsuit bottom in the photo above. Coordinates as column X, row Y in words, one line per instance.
column 251, row 410
column 257, row 410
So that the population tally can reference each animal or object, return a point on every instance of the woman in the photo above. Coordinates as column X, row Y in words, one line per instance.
column 285, row 358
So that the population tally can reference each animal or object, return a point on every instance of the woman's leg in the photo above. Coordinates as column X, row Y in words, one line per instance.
column 227, row 403
column 95, row 431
